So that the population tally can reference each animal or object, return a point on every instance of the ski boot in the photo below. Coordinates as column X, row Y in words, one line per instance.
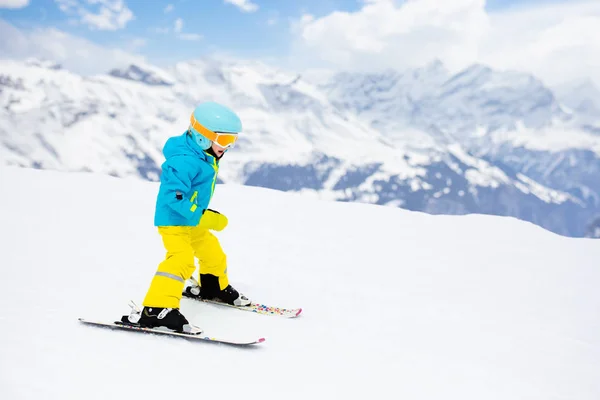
column 161, row 318
column 209, row 289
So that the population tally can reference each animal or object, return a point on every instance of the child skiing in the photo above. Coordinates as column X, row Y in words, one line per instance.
column 184, row 220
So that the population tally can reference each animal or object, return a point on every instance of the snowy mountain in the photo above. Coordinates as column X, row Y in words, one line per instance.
column 593, row 230
column 506, row 119
column 145, row 74
column 396, row 303
column 424, row 140
column 584, row 99
column 471, row 103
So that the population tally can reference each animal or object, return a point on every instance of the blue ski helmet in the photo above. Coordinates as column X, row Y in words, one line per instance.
column 214, row 117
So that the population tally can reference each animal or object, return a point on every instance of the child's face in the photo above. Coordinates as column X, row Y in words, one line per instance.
column 219, row 151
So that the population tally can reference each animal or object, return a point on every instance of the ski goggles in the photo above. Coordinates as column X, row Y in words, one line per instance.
column 224, row 140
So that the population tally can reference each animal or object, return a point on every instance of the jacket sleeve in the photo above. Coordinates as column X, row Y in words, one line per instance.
column 177, row 177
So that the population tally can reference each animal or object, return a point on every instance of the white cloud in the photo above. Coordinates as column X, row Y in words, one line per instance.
column 108, row 15
column 178, row 29
column 273, row 18
column 178, row 25
column 244, row 5
column 556, row 42
column 138, row 43
column 160, row 30
column 559, row 43
column 13, row 3
column 189, row 36
column 169, row 8
column 75, row 53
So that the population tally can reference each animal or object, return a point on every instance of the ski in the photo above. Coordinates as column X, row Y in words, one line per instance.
column 256, row 308
column 253, row 307
column 194, row 337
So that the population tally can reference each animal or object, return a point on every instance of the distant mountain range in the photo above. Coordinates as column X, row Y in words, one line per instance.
column 479, row 141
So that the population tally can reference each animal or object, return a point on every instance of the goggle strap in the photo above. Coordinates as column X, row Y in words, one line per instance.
column 210, row 135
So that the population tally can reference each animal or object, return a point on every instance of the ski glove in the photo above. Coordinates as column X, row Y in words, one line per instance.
column 214, row 220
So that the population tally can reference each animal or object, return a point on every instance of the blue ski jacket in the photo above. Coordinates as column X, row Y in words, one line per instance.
column 187, row 183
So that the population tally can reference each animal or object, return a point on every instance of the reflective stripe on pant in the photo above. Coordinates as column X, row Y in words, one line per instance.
column 182, row 244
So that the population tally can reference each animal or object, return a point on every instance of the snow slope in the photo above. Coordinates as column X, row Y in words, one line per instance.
column 396, row 303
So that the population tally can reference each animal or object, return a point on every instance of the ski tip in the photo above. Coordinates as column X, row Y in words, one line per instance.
column 262, row 339
column 299, row 311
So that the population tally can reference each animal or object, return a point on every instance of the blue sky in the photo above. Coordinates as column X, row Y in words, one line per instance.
column 210, row 25
column 554, row 39
column 222, row 26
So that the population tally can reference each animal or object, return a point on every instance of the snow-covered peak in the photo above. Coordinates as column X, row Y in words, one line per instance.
column 249, row 85
column 475, row 100
column 389, row 100
column 480, row 96
column 476, row 74
column 147, row 74
column 583, row 98
column 435, row 70
column 227, row 69
column 387, row 84
column 49, row 64
column 593, row 230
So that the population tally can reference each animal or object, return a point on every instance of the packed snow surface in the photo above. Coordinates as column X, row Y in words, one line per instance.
column 396, row 303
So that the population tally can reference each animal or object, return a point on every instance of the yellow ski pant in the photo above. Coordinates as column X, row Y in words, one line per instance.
column 183, row 243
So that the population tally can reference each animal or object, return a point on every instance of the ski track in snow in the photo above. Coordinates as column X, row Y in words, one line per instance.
column 396, row 303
